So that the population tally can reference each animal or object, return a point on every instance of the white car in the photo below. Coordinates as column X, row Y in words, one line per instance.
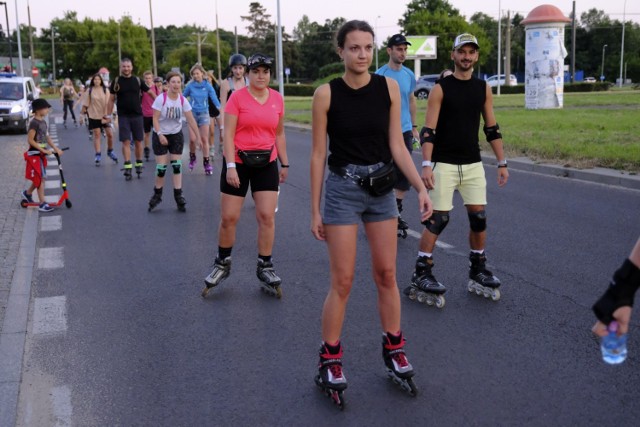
column 589, row 79
column 493, row 80
column 16, row 94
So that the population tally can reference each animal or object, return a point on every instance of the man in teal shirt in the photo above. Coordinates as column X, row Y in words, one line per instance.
column 397, row 51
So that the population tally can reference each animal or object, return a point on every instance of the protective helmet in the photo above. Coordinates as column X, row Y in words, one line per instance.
column 237, row 59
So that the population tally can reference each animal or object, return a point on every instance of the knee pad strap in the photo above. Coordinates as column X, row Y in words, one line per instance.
column 177, row 166
column 161, row 170
column 437, row 222
column 478, row 221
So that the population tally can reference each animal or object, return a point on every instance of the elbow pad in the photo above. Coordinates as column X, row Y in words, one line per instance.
column 492, row 132
column 620, row 293
column 427, row 135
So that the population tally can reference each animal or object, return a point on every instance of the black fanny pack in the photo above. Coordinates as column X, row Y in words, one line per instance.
column 255, row 158
column 377, row 183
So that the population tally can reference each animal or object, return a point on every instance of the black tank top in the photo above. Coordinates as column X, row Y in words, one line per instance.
column 459, row 121
column 231, row 87
column 358, row 123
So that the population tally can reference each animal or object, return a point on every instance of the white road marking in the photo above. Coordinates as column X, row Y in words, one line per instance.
column 52, row 183
column 50, row 315
column 53, row 172
column 61, row 403
column 51, row 199
column 439, row 243
column 49, row 258
column 50, row 223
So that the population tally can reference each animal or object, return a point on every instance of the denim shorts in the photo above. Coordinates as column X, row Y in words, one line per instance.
column 346, row 203
column 202, row 118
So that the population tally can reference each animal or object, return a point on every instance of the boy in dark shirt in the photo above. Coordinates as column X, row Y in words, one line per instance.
column 38, row 138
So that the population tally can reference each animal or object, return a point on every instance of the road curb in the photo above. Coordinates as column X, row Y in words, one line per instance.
column 14, row 329
column 597, row 175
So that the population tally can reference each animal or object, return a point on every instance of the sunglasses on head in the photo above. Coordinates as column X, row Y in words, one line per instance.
column 260, row 60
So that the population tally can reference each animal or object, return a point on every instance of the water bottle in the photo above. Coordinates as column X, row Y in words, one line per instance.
column 614, row 347
column 416, row 144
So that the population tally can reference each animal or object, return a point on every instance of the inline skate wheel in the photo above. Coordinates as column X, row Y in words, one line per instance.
column 205, row 291
column 422, row 298
column 440, row 301
column 412, row 294
column 495, row 295
column 411, row 387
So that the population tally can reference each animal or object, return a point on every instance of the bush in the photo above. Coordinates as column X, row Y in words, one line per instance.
column 587, row 87
column 333, row 68
column 296, row 90
column 507, row 90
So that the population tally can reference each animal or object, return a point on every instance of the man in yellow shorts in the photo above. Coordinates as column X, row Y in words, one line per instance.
column 451, row 161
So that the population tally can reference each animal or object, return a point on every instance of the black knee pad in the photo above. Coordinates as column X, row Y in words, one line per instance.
column 437, row 222
column 177, row 166
column 478, row 221
column 161, row 170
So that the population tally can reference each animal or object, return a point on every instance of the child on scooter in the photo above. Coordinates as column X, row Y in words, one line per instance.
column 38, row 138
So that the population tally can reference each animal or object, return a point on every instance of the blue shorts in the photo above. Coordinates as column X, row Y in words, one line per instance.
column 346, row 203
column 202, row 118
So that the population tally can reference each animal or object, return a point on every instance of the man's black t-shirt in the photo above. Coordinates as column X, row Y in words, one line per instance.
column 128, row 92
column 459, row 121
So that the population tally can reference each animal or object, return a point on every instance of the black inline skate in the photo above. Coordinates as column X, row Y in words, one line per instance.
column 403, row 226
column 97, row 159
column 270, row 282
column 155, row 199
column 398, row 367
column 180, row 200
column 481, row 280
column 127, row 170
column 330, row 378
column 424, row 286
column 221, row 270
column 139, row 167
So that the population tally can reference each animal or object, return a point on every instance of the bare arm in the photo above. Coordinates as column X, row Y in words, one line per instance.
column 281, row 144
column 413, row 109
column 431, row 121
column 193, row 125
column 319, row 110
column 496, row 144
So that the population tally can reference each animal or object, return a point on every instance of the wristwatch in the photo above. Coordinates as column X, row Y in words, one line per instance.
column 502, row 163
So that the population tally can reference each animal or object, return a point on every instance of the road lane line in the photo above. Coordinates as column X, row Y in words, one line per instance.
column 439, row 243
column 50, row 315
column 50, row 223
column 50, row 258
column 52, row 183
column 61, row 403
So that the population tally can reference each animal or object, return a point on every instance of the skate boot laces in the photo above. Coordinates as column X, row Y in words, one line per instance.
column 332, row 365
column 397, row 355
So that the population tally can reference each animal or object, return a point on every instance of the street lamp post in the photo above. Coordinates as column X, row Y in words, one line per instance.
column 4, row 3
column 602, row 69
column 375, row 42
column 624, row 11
column 53, row 54
column 153, row 42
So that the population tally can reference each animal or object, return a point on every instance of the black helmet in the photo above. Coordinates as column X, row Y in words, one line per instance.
column 237, row 59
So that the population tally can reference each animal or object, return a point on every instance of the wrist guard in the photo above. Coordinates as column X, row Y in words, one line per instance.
column 427, row 135
column 621, row 291
column 492, row 132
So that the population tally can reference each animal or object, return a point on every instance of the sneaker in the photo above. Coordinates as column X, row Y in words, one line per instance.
column 44, row 207
column 27, row 197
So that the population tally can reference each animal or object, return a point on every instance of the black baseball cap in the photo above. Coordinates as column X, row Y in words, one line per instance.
column 396, row 40
column 40, row 104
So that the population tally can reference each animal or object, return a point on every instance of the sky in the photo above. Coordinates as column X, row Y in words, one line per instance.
column 382, row 14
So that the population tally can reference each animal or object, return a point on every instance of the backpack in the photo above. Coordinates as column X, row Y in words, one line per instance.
column 164, row 99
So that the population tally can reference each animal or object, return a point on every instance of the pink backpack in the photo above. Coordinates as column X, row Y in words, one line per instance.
column 164, row 99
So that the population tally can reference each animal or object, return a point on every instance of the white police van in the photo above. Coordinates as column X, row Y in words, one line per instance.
column 16, row 94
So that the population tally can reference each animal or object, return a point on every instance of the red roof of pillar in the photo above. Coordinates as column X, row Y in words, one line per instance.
column 544, row 13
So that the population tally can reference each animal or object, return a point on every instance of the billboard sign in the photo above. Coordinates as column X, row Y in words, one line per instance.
column 422, row 47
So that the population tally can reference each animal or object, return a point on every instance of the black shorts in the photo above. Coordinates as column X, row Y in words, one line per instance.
column 129, row 126
column 97, row 124
column 176, row 144
column 403, row 183
column 261, row 179
column 147, row 124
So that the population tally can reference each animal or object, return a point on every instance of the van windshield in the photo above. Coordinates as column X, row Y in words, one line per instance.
column 11, row 91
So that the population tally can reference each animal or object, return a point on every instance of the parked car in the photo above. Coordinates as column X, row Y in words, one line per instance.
column 16, row 94
column 424, row 85
column 493, row 80
column 589, row 79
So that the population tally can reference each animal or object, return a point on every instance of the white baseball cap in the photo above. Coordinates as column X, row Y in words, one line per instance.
column 465, row 38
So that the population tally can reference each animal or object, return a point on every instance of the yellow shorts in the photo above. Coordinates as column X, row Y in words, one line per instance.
column 469, row 180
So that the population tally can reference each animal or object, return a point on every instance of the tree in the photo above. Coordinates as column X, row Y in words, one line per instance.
column 317, row 47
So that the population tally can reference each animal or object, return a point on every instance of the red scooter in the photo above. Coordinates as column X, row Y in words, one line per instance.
column 65, row 194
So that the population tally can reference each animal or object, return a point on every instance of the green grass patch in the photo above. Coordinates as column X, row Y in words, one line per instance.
column 594, row 129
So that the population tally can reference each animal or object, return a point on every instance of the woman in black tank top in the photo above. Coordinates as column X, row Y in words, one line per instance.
column 360, row 113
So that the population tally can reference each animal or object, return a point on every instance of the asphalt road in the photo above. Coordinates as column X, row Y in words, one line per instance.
column 119, row 335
